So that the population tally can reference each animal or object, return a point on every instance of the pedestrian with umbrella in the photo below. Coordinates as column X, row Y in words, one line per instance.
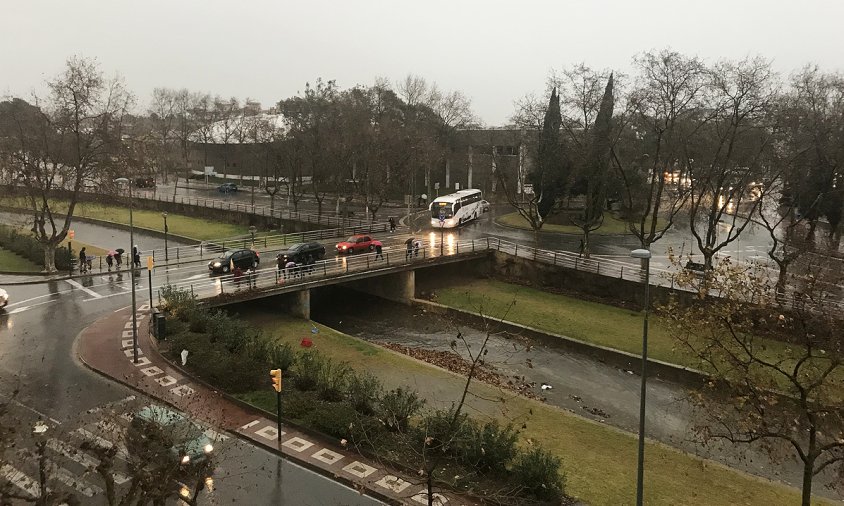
column 118, row 257
column 379, row 250
column 110, row 259
column 409, row 251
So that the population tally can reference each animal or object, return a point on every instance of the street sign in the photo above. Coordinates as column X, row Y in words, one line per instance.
column 150, row 263
column 442, row 216
column 436, row 186
column 71, row 234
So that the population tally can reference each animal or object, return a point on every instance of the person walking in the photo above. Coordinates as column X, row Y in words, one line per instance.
column 118, row 257
column 289, row 268
column 416, row 245
column 83, row 261
column 237, row 275
column 110, row 260
column 379, row 250
column 392, row 224
column 136, row 256
column 252, row 278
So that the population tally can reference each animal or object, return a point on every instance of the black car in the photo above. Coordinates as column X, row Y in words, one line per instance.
column 300, row 252
column 227, row 188
column 243, row 258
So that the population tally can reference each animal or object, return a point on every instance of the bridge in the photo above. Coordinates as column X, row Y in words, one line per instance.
column 391, row 275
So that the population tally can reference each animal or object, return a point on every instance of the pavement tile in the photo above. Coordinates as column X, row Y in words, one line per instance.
column 106, row 348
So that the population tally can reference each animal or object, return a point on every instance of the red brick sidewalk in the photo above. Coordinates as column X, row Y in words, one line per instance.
column 106, row 347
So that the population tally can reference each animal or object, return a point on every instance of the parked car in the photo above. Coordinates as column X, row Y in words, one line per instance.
column 227, row 188
column 300, row 252
column 4, row 298
column 144, row 182
column 355, row 244
column 243, row 258
column 157, row 433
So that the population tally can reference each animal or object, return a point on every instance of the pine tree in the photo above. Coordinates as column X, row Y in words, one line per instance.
column 546, row 179
column 596, row 168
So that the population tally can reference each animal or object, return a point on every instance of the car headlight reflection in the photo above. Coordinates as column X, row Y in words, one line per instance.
column 209, row 448
column 217, row 264
column 186, row 459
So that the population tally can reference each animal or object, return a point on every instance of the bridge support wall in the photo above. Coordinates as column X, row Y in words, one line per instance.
column 297, row 303
column 397, row 287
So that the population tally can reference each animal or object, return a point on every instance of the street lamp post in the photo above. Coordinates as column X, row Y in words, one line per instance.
column 252, row 231
column 128, row 182
column 164, row 215
column 645, row 255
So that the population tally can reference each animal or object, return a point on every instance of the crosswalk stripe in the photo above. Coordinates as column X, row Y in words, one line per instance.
column 213, row 435
column 81, row 457
column 71, row 480
column 20, row 480
column 122, row 451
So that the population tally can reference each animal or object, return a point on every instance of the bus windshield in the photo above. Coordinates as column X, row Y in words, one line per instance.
column 445, row 207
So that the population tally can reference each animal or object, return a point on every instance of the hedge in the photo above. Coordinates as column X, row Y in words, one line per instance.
column 28, row 247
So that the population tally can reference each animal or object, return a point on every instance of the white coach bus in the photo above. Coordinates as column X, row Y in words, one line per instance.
column 457, row 208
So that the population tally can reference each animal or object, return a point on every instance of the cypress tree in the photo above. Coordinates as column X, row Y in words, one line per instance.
column 546, row 178
column 597, row 167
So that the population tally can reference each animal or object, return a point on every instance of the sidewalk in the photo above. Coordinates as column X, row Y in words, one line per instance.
column 106, row 347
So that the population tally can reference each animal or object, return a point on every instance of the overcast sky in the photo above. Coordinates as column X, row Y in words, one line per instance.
column 491, row 50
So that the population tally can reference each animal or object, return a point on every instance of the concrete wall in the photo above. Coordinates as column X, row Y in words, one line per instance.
column 397, row 287
column 296, row 303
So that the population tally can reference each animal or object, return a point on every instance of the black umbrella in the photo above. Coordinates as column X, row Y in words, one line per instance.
column 409, row 242
column 120, row 251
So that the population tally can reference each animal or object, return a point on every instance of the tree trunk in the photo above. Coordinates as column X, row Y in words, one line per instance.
column 808, row 474
column 49, row 257
column 430, row 483
column 781, row 280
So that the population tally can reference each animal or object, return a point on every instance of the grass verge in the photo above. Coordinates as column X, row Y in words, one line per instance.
column 599, row 461
column 196, row 228
column 611, row 225
column 13, row 262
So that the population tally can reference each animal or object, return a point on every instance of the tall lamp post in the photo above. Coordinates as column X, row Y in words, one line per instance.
column 644, row 255
column 252, row 231
column 128, row 183
column 164, row 215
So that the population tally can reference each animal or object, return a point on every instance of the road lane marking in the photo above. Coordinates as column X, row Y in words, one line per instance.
column 76, row 284
column 42, row 415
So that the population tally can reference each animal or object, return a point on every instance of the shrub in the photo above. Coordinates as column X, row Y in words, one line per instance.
column 281, row 356
column 364, row 392
column 297, row 405
column 336, row 420
column 443, row 434
column 489, row 447
column 28, row 247
column 332, row 380
column 398, row 406
column 537, row 471
column 306, row 370
column 179, row 302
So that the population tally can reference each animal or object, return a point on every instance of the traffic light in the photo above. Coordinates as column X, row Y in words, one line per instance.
column 275, row 374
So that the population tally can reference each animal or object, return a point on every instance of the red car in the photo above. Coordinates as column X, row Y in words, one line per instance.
column 355, row 244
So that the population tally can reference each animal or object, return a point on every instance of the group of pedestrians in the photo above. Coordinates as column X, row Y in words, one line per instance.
column 413, row 246
column 289, row 269
column 114, row 259
column 251, row 277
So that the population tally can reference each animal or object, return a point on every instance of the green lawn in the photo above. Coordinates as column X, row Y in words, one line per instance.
column 196, row 228
column 12, row 262
column 611, row 225
column 599, row 461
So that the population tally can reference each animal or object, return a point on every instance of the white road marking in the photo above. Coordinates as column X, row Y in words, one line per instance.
column 250, row 424
column 20, row 480
column 24, row 308
column 76, row 284
column 71, row 480
column 42, row 415
column 122, row 451
column 81, row 457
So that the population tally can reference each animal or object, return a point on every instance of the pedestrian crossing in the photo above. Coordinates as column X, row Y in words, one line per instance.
column 74, row 454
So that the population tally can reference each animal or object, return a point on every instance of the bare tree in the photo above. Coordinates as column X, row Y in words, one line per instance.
column 729, row 149
column 667, row 95
column 73, row 139
column 163, row 114
column 786, row 398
